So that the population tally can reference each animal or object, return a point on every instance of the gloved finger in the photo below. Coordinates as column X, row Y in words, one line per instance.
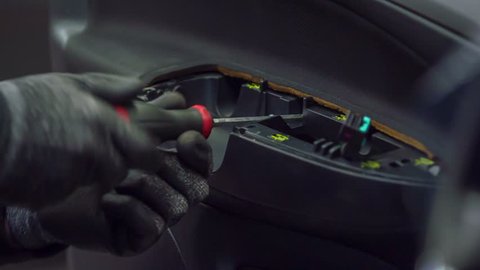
column 140, row 225
column 170, row 101
column 112, row 88
column 194, row 150
column 188, row 182
column 134, row 144
column 156, row 194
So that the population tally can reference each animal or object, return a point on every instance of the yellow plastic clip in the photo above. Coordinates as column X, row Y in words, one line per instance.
column 423, row 161
column 254, row 86
column 371, row 165
column 341, row 117
column 279, row 137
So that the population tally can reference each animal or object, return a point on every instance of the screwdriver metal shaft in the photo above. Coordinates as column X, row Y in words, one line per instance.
column 169, row 124
column 229, row 120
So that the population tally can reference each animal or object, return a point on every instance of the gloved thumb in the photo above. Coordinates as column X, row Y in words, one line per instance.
column 195, row 152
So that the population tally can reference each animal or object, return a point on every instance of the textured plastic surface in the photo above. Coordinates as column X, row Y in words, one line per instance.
column 353, row 201
column 211, row 239
column 312, row 187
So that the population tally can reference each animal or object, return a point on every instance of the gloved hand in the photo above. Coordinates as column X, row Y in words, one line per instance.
column 59, row 132
column 131, row 218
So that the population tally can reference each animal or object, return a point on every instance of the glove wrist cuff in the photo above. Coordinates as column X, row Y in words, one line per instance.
column 25, row 231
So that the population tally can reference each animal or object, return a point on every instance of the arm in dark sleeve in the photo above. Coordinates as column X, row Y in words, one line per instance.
column 11, row 251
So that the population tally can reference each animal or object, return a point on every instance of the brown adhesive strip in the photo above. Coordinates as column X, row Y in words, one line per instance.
column 289, row 90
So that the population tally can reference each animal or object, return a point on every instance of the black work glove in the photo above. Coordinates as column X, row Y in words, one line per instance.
column 131, row 218
column 60, row 131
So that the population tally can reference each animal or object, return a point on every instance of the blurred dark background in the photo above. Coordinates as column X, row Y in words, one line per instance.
column 24, row 49
column 24, row 46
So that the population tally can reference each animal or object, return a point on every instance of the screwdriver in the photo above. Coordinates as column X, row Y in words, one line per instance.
column 169, row 124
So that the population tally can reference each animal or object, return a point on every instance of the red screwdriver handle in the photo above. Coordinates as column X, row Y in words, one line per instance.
column 207, row 119
column 123, row 113
column 168, row 124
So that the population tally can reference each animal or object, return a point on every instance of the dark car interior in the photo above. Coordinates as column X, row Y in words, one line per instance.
column 349, row 185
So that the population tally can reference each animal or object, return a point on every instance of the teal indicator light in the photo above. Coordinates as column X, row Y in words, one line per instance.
column 366, row 121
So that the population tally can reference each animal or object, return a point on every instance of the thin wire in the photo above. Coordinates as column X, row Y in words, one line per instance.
column 178, row 248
